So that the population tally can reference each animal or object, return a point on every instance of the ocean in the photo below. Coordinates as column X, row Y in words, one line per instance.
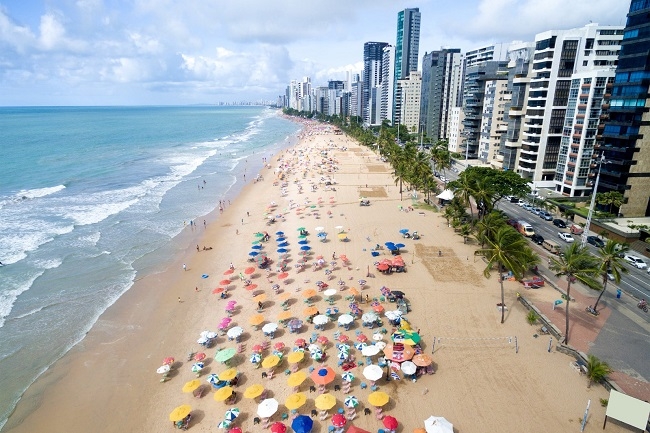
column 92, row 197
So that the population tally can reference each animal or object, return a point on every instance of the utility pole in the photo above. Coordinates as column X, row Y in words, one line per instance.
column 585, row 232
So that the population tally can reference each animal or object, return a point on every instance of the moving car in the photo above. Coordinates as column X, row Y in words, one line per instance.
column 595, row 241
column 566, row 237
column 559, row 223
column 635, row 261
column 538, row 239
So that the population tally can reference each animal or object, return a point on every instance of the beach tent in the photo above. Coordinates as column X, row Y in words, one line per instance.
column 446, row 195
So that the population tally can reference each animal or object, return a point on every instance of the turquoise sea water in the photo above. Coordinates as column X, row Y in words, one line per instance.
column 90, row 197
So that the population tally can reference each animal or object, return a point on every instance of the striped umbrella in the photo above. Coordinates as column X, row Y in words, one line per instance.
column 231, row 414
column 394, row 376
column 224, row 424
column 347, row 376
column 351, row 401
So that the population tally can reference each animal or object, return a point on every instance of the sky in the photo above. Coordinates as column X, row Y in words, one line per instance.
column 179, row 52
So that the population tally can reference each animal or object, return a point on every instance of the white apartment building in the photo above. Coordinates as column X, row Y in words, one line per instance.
column 484, row 54
column 558, row 55
column 492, row 125
column 581, row 125
column 455, row 123
column 387, row 83
column 407, row 105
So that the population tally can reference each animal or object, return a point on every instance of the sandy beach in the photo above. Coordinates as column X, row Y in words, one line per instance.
column 488, row 376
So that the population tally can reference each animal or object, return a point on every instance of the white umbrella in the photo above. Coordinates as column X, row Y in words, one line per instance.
column 342, row 355
column 231, row 414
column 319, row 229
column 235, row 332
column 202, row 340
column 370, row 350
column 345, row 319
column 329, row 292
column 339, row 228
column 369, row 317
column 163, row 369
column 393, row 314
column 373, row 372
column 211, row 335
column 380, row 344
column 378, row 336
column 269, row 327
column 314, row 348
column 446, row 195
column 267, row 408
column 321, row 319
column 197, row 367
column 408, row 367
column 438, row 424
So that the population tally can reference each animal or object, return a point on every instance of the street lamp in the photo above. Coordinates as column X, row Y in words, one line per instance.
column 585, row 232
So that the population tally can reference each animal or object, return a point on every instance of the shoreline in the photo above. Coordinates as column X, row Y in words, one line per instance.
column 479, row 374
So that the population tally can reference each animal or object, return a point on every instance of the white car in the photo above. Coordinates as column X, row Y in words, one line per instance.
column 566, row 237
column 635, row 261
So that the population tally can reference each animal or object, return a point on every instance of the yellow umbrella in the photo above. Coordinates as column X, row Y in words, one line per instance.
column 223, row 393
column 229, row 374
column 260, row 298
column 284, row 296
column 325, row 401
column 294, row 401
column 191, row 385
column 342, row 235
column 284, row 315
column 378, row 398
column 405, row 325
column 310, row 311
column 180, row 412
column 296, row 378
column 309, row 293
column 295, row 357
column 271, row 361
column 253, row 391
column 256, row 319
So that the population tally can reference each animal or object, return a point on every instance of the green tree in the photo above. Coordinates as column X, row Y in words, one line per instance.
column 506, row 251
column 489, row 226
column 611, row 262
column 577, row 264
column 597, row 370
column 465, row 231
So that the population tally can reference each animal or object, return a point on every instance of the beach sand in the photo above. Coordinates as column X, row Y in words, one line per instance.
column 108, row 383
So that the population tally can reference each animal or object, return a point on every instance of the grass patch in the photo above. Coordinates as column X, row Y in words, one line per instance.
column 424, row 206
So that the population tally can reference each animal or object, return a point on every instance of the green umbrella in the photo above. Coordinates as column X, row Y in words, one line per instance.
column 300, row 229
column 259, row 235
column 302, row 237
column 224, row 424
column 224, row 355
column 313, row 206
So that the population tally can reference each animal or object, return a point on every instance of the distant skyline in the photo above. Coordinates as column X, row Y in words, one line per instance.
column 149, row 52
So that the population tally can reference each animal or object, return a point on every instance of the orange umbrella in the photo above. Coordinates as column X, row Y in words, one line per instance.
column 422, row 360
column 260, row 298
column 256, row 319
column 284, row 296
column 249, row 270
column 323, row 375
column 378, row 308
column 354, row 291
column 398, row 355
column 282, row 276
column 309, row 293
column 224, row 282
column 310, row 311
column 284, row 315
column 419, row 430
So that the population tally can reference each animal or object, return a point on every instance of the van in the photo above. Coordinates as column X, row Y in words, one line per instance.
column 551, row 246
column 525, row 229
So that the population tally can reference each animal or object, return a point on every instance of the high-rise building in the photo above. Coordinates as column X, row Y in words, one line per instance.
column 387, row 83
column 625, row 135
column 492, row 124
column 407, row 46
column 356, row 92
column 408, row 101
column 442, row 73
column 372, row 73
column 481, row 55
column 558, row 55
column 456, row 117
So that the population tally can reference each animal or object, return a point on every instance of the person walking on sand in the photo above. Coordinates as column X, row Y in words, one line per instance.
column 179, row 299
column 184, row 267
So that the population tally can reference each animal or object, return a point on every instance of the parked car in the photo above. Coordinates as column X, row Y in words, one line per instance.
column 536, row 210
column 527, row 207
column 522, row 203
column 538, row 239
column 595, row 241
column 559, row 223
column 546, row 216
column 635, row 261
column 566, row 237
column 576, row 229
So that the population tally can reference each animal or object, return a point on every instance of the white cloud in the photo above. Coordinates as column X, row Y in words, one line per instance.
column 14, row 36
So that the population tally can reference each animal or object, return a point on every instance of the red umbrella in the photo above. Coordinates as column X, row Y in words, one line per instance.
column 300, row 342
column 355, row 429
column 168, row 361
column 390, row 422
column 229, row 271
column 224, row 282
column 338, row 420
column 237, row 430
column 343, row 338
column 382, row 267
column 199, row 356
column 251, row 287
column 278, row 346
column 218, row 290
column 362, row 338
column 249, row 270
column 283, row 275
column 322, row 339
column 278, row 427
column 258, row 348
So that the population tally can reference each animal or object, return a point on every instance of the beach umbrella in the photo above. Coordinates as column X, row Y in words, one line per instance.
column 231, row 414
column 373, row 372
column 229, row 271
column 168, row 361
column 235, row 430
column 295, row 379
column 343, row 338
column 283, row 244
column 271, row 361
column 253, row 253
column 278, row 427
column 256, row 319
column 303, row 242
column 322, row 235
column 374, row 253
column 282, row 250
column 398, row 246
column 404, row 231
column 390, row 422
column 224, row 354
column 218, row 290
column 378, row 398
column 322, row 339
column 284, row 315
column 224, row 282
column 302, row 424
column 279, row 345
column 408, row 367
column 235, row 332
column 310, row 311
column 224, row 424
column 369, row 317
column 345, row 319
column 259, row 298
column 258, row 348
column 253, row 391
column 280, row 239
column 329, row 292
column 259, row 235
column 325, row 401
column 338, row 420
column 360, row 346
column 343, row 355
column 347, row 376
column 320, row 319
column 404, row 355
column 393, row 314
column 270, row 327
column 199, row 356
column 319, row 229
column 295, row 324
column 163, row 369
column 197, row 367
column 438, row 424
column 279, row 233
column 295, row 357
column 314, row 348
column 355, row 429
column 257, row 247
column 323, row 375
column 305, row 248
column 267, row 408
column 378, row 308
column 351, row 401
column 223, row 394
column 212, row 378
column 180, row 412
column 381, row 345
column 309, row 293
column 251, row 287
column 371, row 350
column 282, row 276
column 422, row 360
column 294, row 401
column 299, row 229
column 229, row 374
column 191, row 385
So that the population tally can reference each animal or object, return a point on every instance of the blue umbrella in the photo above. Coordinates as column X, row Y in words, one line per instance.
column 400, row 245
column 403, row 231
column 257, row 247
column 282, row 250
column 375, row 253
column 253, row 253
column 391, row 247
column 390, row 244
column 303, row 242
column 305, row 248
column 321, row 234
column 278, row 240
column 284, row 244
column 302, row 424
column 279, row 233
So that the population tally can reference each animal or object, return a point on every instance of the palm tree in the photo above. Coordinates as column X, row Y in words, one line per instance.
column 611, row 263
column 465, row 231
column 488, row 226
column 506, row 251
column 577, row 264
column 597, row 370
column 463, row 188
